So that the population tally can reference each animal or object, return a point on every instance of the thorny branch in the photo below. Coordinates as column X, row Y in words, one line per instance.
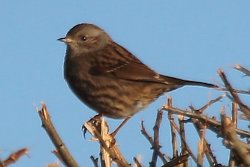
column 109, row 150
column 211, row 123
column 163, row 156
column 239, row 148
column 244, row 108
column 242, row 69
column 13, row 157
column 156, row 146
column 226, row 128
column 61, row 148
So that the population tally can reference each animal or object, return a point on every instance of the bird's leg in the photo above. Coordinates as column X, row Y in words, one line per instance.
column 120, row 126
column 95, row 120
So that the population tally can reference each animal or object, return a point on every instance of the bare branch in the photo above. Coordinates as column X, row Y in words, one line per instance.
column 229, row 134
column 202, row 109
column 47, row 124
column 177, row 161
column 156, row 145
column 106, row 141
column 15, row 156
column 163, row 156
column 234, row 121
column 244, row 108
column 242, row 69
column 184, row 147
column 183, row 140
column 137, row 162
column 211, row 123
column 173, row 132
column 94, row 160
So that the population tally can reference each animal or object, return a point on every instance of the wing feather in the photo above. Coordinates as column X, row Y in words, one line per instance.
column 117, row 62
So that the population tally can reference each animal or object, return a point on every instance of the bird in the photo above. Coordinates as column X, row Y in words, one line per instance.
column 110, row 79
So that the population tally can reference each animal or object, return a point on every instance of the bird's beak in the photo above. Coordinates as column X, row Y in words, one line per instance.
column 65, row 40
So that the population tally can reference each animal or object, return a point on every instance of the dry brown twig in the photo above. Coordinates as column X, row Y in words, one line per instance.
column 173, row 130
column 61, row 148
column 162, row 156
column 53, row 165
column 108, row 148
column 211, row 123
column 232, row 141
column 177, row 161
column 137, row 162
column 14, row 157
column 244, row 108
column 183, row 139
column 203, row 122
column 234, row 121
column 184, row 148
column 204, row 147
column 94, row 160
column 201, row 145
column 156, row 146
column 242, row 69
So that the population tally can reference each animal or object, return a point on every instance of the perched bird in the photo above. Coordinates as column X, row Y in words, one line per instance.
column 108, row 78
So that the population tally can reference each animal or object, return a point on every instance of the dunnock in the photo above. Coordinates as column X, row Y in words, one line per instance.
column 108, row 78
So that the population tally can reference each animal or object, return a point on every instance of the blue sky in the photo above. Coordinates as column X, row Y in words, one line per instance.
column 187, row 39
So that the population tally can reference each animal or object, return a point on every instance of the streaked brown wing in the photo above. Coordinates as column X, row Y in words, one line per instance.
column 116, row 62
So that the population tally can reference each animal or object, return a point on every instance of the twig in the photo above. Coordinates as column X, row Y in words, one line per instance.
column 94, row 160
column 47, row 124
column 103, row 137
column 104, row 153
column 204, row 147
column 137, row 162
column 211, row 123
column 184, row 148
column 173, row 135
column 234, row 121
column 145, row 133
column 183, row 140
column 56, row 153
column 203, row 108
column 244, row 108
column 242, row 69
column 53, row 165
column 13, row 157
column 1, row 163
column 177, row 161
column 201, row 145
column 172, row 129
column 163, row 157
column 229, row 134
column 156, row 145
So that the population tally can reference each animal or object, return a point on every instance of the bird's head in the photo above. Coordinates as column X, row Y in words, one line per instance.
column 85, row 38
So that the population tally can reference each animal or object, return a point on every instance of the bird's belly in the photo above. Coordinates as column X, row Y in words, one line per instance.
column 112, row 98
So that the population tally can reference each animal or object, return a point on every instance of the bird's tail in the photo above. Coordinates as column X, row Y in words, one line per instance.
column 181, row 82
column 197, row 83
column 176, row 82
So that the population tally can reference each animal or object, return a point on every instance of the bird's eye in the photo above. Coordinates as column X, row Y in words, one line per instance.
column 83, row 38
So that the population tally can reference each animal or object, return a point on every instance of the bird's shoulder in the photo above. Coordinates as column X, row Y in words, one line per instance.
column 117, row 62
